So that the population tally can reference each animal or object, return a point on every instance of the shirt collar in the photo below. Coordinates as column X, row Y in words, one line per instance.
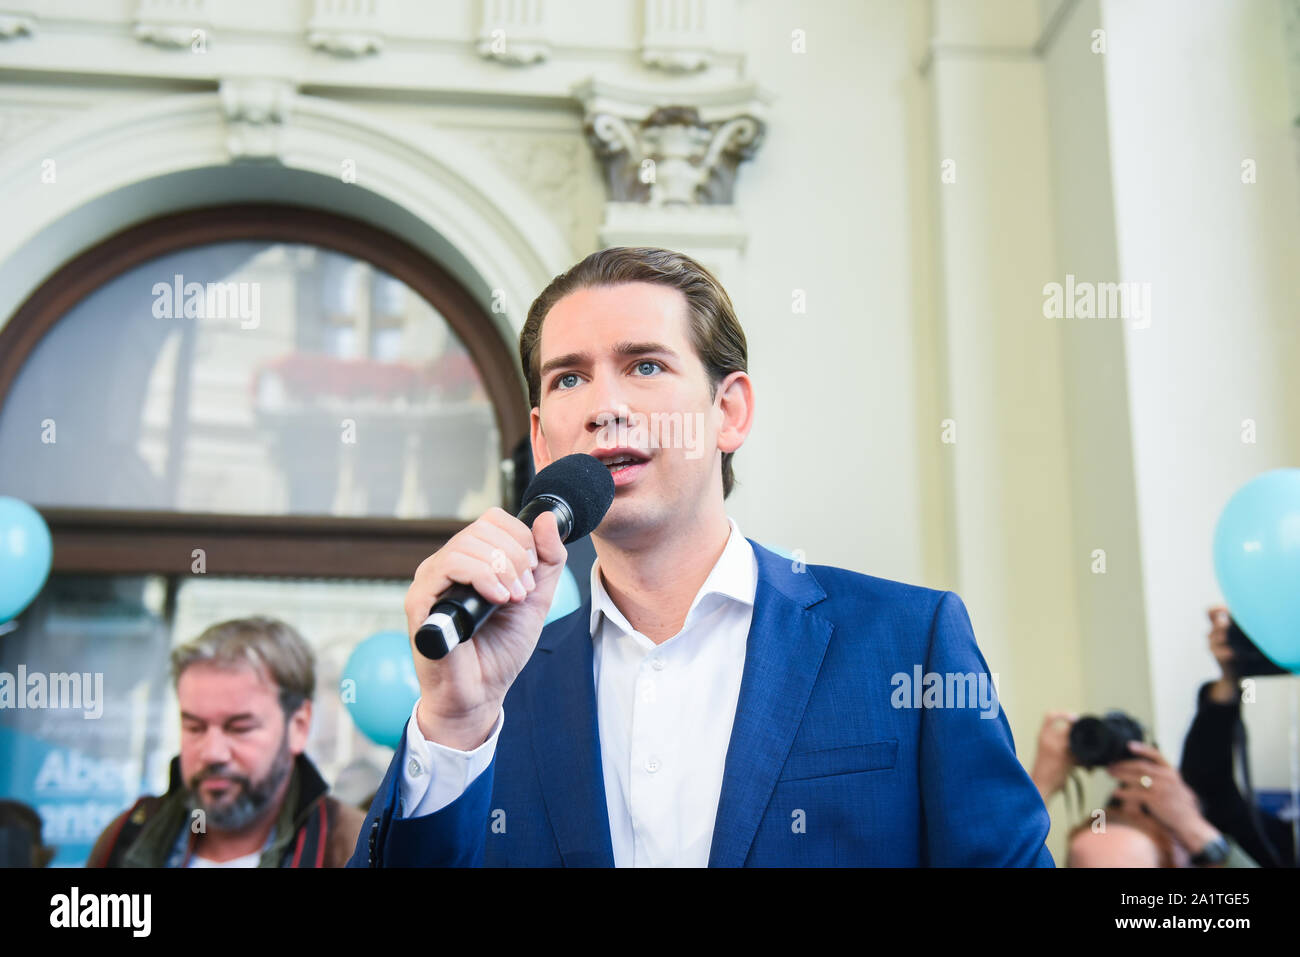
column 734, row 575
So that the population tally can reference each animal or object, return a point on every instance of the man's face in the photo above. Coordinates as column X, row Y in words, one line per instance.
column 236, row 747
column 618, row 370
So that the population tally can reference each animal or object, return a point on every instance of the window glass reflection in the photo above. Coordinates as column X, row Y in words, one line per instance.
column 254, row 378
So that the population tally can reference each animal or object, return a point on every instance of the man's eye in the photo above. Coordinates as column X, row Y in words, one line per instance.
column 648, row 362
column 560, row 379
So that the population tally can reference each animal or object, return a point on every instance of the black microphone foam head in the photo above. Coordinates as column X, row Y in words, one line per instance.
column 583, row 483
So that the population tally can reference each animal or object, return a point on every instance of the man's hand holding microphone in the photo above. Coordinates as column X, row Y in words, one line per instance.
column 508, row 563
column 494, row 582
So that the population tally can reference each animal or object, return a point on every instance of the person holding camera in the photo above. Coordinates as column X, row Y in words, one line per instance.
column 1208, row 749
column 1153, row 819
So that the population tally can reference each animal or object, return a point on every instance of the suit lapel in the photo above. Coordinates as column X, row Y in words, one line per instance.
column 783, row 655
column 566, row 742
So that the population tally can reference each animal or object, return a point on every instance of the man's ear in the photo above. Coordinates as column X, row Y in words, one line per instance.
column 300, row 728
column 541, row 448
column 735, row 400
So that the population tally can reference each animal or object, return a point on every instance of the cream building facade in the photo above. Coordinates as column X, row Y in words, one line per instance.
column 885, row 188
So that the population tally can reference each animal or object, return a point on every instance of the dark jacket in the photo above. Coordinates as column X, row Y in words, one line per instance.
column 312, row 830
column 1207, row 769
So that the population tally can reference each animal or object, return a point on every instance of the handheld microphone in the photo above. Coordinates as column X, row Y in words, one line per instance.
column 578, row 490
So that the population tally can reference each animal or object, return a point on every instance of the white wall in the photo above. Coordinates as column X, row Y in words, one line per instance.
column 834, row 462
column 1190, row 98
column 1008, row 470
column 1112, row 658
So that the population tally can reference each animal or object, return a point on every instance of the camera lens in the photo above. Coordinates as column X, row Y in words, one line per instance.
column 1088, row 741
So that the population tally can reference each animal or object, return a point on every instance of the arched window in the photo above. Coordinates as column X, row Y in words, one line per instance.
column 302, row 392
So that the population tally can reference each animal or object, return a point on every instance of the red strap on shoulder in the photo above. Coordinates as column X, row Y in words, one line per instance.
column 117, row 832
column 324, row 834
column 297, row 854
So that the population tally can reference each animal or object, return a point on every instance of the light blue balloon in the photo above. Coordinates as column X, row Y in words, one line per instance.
column 568, row 598
column 25, row 554
column 379, row 686
column 1257, row 563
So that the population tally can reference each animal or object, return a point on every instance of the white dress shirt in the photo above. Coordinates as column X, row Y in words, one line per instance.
column 664, row 714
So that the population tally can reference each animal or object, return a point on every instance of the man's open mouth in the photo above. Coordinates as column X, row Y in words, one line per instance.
column 625, row 465
column 617, row 460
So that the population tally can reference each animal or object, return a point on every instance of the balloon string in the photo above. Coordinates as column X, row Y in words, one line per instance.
column 1295, row 770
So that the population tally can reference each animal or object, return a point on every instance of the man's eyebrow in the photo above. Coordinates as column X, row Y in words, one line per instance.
column 243, row 716
column 628, row 349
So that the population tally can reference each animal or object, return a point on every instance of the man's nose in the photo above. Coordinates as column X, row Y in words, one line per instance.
column 609, row 409
column 215, row 749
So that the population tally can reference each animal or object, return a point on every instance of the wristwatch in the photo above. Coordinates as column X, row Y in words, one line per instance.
column 1215, row 852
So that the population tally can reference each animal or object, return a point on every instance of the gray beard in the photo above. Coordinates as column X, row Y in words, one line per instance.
column 253, row 798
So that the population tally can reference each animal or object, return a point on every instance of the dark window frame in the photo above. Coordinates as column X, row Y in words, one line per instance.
column 113, row 541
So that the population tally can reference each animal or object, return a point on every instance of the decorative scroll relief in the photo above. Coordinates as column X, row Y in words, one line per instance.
column 13, row 26
column 173, row 24
column 672, row 157
column 677, row 35
column 255, row 111
column 514, row 32
column 346, row 28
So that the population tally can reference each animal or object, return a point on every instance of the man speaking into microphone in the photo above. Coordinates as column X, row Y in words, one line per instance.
column 713, row 703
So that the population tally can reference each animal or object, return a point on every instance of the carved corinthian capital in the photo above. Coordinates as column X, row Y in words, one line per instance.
column 684, row 154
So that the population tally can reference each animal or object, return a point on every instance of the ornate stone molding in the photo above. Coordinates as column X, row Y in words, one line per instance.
column 710, row 227
column 459, row 207
column 553, row 168
column 514, row 32
column 19, row 122
column 172, row 24
column 684, row 153
column 677, row 35
column 13, row 26
column 255, row 112
column 346, row 28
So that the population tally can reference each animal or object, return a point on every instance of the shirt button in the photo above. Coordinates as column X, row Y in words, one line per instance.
column 658, row 664
column 414, row 768
column 652, row 765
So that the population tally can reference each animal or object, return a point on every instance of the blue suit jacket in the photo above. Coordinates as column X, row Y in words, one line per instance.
column 824, row 766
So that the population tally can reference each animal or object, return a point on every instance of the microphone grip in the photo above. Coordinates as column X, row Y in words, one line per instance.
column 454, row 618
column 460, row 610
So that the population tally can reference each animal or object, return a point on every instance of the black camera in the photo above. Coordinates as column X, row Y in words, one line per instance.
column 1095, row 742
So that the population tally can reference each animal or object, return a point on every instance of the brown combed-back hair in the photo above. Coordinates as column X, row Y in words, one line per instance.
column 715, row 331
column 267, row 645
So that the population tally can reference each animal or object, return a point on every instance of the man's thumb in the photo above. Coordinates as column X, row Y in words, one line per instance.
column 546, row 535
